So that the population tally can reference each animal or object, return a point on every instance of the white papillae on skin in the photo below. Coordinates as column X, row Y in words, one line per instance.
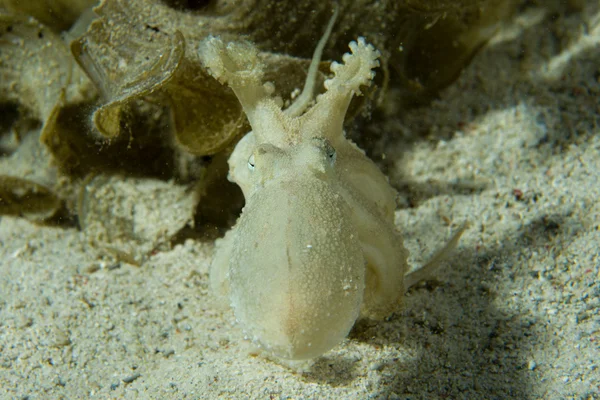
column 315, row 246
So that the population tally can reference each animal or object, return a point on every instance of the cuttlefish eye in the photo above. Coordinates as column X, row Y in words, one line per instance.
column 264, row 154
column 326, row 147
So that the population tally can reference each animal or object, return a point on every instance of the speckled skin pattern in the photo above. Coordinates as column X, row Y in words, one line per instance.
column 316, row 245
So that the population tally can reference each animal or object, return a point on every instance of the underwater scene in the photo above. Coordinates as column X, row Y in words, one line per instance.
column 260, row 199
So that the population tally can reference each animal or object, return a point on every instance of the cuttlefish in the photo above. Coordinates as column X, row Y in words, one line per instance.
column 315, row 247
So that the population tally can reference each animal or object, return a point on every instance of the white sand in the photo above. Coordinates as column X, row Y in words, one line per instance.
column 514, row 314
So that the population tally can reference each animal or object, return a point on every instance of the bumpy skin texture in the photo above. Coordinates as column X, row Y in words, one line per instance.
column 315, row 246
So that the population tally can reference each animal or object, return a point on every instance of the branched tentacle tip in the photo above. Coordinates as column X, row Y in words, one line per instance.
column 357, row 69
column 209, row 50
column 235, row 63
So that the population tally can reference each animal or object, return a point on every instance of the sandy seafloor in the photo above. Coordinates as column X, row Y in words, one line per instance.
column 513, row 314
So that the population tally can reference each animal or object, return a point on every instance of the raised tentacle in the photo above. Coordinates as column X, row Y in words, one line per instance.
column 301, row 103
column 327, row 115
column 237, row 64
